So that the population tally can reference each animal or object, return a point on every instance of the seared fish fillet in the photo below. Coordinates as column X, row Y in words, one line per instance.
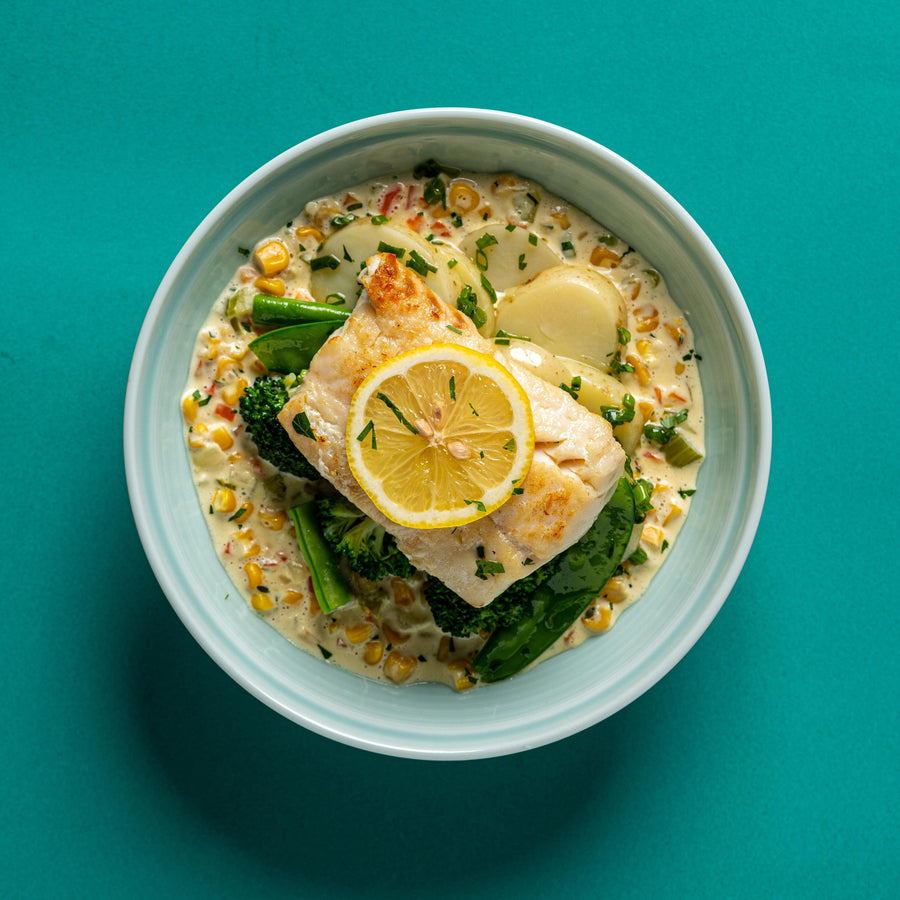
column 577, row 461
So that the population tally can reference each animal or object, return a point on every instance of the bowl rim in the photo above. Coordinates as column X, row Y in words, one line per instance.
column 758, row 387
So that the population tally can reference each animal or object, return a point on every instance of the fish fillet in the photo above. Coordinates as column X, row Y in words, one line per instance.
column 577, row 461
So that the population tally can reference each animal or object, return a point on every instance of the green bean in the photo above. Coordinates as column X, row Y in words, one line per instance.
column 277, row 311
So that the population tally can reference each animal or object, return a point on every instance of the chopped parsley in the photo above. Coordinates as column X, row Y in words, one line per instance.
column 419, row 264
column 662, row 432
column 300, row 424
column 467, row 303
column 396, row 411
column 574, row 388
column 370, row 428
column 485, row 567
column 329, row 261
column 385, row 247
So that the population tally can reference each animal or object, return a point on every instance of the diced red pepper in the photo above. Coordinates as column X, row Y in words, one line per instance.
column 387, row 202
column 223, row 411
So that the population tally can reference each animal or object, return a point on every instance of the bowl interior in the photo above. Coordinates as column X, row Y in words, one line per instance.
column 564, row 694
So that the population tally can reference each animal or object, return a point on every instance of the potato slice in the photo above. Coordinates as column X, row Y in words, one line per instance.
column 570, row 310
column 352, row 245
column 509, row 257
column 463, row 273
column 597, row 389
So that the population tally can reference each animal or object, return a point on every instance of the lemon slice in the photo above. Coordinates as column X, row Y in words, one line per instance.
column 439, row 436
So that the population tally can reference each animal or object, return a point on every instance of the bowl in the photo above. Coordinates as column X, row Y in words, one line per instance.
column 562, row 695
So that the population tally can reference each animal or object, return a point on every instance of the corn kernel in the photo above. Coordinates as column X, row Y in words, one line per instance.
column 272, row 257
column 222, row 436
column 503, row 184
column 261, row 602
column 224, row 364
column 403, row 594
column 273, row 519
column 676, row 331
column 358, row 632
column 212, row 349
column 196, row 439
column 604, row 257
column 640, row 370
column 373, row 653
column 647, row 317
column 291, row 598
column 254, row 575
column 273, row 286
column 307, row 235
column 233, row 392
column 614, row 591
column 443, row 653
column 189, row 407
column 243, row 513
column 679, row 368
column 674, row 513
column 599, row 618
column 393, row 636
column 636, row 291
column 562, row 218
column 398, row 666
column 646, row 408
column 652, row 535
column 224, row 501
column 246, row 543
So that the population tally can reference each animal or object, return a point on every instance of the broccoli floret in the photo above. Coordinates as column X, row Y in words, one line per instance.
column 259, row 407
column 454, row 616
column 370, row 550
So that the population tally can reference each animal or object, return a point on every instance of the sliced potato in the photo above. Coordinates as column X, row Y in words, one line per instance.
column 570, row 310
column 463, row 273
column 352, row 245
column 509, row 257
column 597, row 389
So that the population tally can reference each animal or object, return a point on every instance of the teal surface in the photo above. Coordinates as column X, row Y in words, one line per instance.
column 766, row 764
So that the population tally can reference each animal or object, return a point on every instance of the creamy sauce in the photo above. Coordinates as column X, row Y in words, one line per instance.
column 389, row 633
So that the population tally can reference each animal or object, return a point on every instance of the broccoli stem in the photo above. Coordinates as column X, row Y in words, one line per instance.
column 324, row 566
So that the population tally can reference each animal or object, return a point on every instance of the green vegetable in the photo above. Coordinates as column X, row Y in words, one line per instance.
column 259, row 406
column 324, row 566
column 279, row 311
column 458, row 618
column 581, row 573
column 369, row 549
column 679, row 451
column 676, row 447
column 290, row 349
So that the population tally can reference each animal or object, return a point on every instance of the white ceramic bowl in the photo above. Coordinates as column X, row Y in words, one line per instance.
column 562, row 695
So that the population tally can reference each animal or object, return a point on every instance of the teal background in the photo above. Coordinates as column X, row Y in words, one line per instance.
column 765, row 764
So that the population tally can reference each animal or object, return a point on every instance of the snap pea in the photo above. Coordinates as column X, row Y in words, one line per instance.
column 278, row 311
column 291, row 348
column 582, row 572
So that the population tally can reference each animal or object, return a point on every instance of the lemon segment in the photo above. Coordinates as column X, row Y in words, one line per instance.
column 439, row 436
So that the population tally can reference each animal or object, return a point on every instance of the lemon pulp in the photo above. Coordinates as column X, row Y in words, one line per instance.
column 439, row 436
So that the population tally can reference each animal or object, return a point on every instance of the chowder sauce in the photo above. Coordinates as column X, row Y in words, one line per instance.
column 389, row 633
